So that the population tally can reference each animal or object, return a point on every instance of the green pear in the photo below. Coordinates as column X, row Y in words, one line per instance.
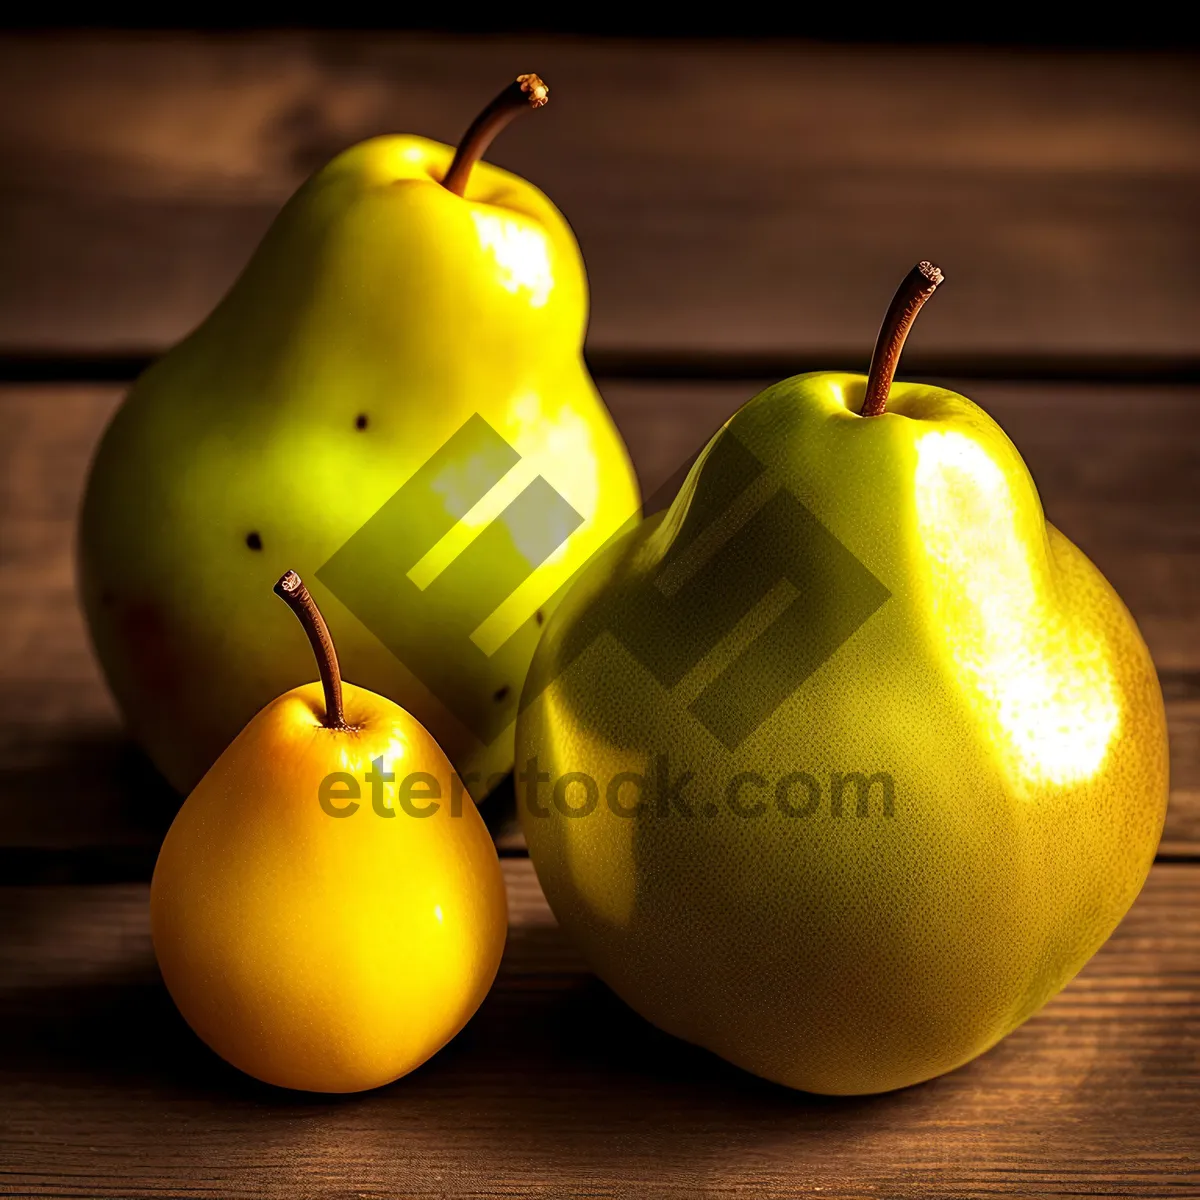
column 413, row 317
column 846, row 763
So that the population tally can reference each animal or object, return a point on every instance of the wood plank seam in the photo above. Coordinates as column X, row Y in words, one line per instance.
column 22, row 366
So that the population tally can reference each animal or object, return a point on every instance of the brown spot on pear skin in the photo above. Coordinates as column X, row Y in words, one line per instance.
column 360, row 422
column 253, row 540
column 151, row 651
column 501, row 694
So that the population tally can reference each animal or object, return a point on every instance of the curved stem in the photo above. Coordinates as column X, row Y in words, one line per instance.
column 919, row 284
column 291, row 588
column 524, row 93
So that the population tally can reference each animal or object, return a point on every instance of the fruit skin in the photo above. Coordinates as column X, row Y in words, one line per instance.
column 376, row 293
column 1003, row 685
column 327, row 954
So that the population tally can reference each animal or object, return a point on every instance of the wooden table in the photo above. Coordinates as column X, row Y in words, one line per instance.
column 745, row 211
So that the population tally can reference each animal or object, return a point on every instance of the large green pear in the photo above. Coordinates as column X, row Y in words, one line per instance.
column 390, row 330
column 846, row 763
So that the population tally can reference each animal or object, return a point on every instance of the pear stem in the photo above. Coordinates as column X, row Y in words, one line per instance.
column 524, row 93
column 919, row 284
column 291, row 589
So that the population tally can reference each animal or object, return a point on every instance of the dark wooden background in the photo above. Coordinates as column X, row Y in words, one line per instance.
column 745, row 209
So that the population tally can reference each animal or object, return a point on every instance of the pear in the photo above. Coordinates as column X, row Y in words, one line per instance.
column 327, row 909
column 412, row 316
column 846, row 763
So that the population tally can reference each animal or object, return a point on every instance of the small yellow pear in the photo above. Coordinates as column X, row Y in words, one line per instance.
column 328, row 909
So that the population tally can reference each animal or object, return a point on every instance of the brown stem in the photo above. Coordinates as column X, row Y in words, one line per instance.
column 526, row 92
column 291, row 588
column 919, row 284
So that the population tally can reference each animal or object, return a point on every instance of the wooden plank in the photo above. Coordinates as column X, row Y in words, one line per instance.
column 1118, row 469
column 731, row 198
column 557, row 1086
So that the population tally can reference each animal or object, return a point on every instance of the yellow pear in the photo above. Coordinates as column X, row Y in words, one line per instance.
column 848, row 762
column 327, row 908
column 413, row 319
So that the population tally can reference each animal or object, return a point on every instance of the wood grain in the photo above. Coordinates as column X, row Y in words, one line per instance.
column 1118, row 467
column 557, row 1088
column 730, row 198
